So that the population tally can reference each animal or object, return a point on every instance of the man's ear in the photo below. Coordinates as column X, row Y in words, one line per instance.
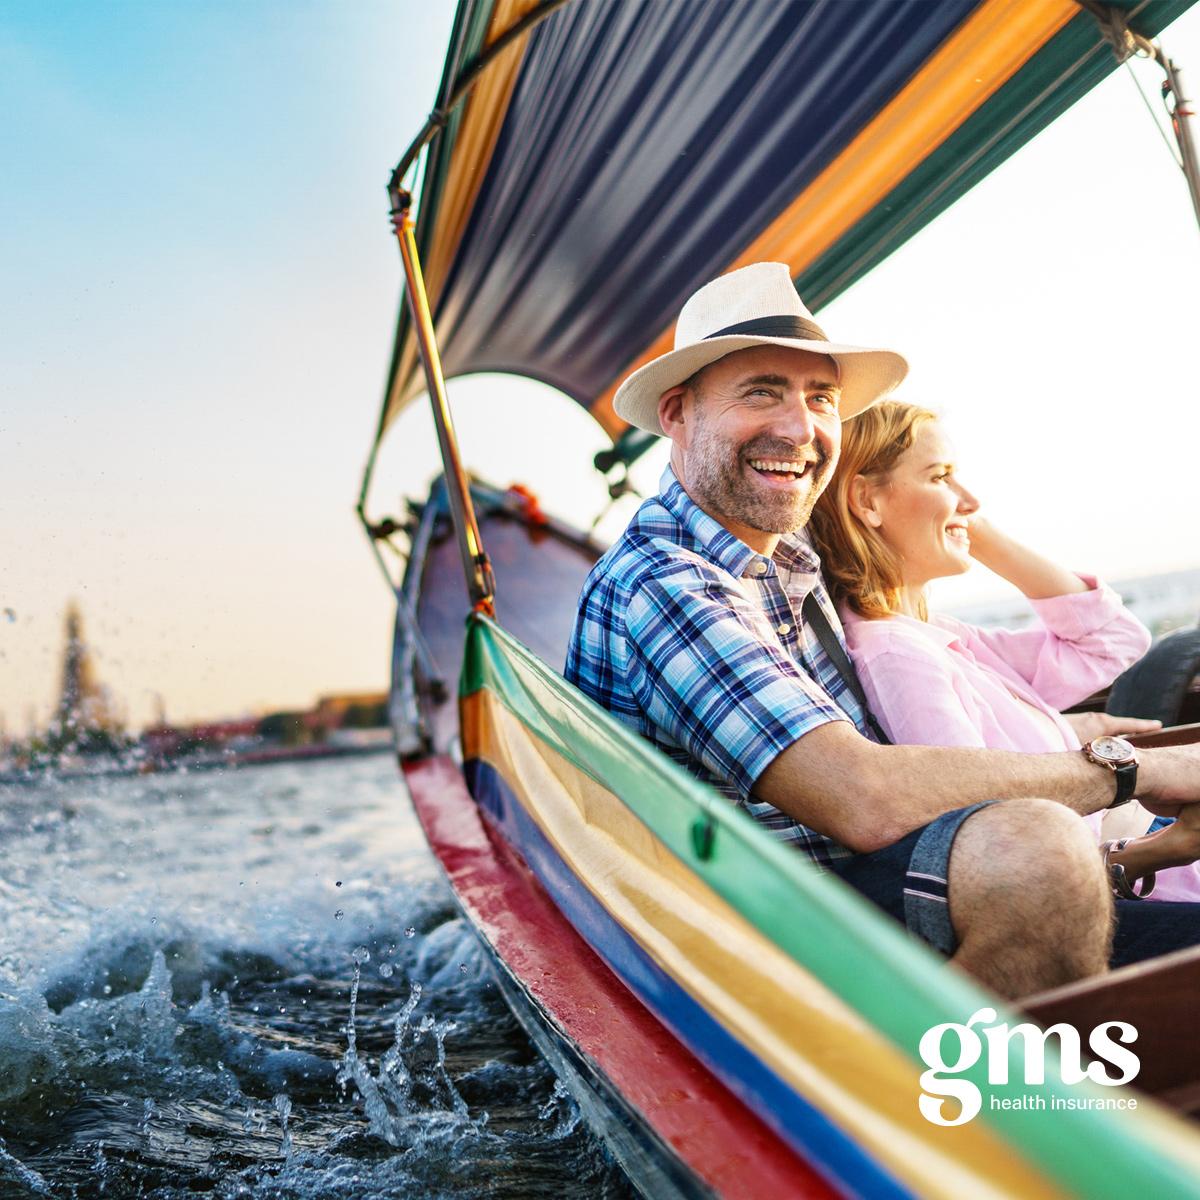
column 861, row 499
column 670, row 411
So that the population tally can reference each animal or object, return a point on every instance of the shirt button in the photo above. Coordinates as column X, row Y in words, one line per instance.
column 758, row 567
column 784, row 629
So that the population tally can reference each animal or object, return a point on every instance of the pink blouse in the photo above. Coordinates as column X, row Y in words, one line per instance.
column 943, row 682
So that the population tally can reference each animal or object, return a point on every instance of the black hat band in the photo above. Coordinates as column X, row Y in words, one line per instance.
column 781, row 326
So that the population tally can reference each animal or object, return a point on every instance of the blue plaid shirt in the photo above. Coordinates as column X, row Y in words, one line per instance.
column 693, row 639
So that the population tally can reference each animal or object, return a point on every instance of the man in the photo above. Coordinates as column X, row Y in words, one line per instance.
column 706, row 627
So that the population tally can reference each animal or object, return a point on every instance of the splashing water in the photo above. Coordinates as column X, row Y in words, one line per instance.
column 250, row 1042
column 283, row 1106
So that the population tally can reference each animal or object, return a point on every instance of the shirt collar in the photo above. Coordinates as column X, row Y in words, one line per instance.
column 794, row 551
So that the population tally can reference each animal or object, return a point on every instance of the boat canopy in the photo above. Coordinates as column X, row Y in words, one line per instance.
column 624, row 152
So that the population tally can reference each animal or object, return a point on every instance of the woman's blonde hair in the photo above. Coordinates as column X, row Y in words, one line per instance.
column 862, row 572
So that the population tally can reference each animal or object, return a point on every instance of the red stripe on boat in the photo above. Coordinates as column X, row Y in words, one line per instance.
column 710, row 1130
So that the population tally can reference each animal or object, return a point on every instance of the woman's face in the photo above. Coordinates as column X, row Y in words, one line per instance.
column 923, row 513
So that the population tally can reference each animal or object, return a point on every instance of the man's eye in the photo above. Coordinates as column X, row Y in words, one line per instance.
column 824, row 400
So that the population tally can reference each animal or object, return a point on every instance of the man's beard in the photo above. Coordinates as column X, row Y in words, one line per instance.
column 718, row 482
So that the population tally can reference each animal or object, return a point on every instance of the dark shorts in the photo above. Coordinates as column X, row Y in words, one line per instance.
column 908, row 880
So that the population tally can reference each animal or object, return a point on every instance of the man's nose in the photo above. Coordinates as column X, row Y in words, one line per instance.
column 794, row 423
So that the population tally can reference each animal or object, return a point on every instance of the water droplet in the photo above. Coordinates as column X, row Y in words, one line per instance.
column 361, row 954
column 108, row 989
column 462, row 967
column 337, row 916
column 153, row 920
column 338, row 883
column 387, row 970
column 410, row 932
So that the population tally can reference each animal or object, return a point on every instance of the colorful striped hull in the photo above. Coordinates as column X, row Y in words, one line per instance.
column 806, row 1003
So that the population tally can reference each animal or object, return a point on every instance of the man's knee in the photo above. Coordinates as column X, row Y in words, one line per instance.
column 1019, row 839
column 1029, row 900
column 1021, row 858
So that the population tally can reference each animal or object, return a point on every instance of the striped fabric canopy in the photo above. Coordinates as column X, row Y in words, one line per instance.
column 627, row 151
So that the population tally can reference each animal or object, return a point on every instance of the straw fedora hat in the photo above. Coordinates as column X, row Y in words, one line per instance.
column 753, row 306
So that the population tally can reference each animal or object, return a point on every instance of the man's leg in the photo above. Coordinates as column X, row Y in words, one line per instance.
column 1029, row 901
column 1147, row 928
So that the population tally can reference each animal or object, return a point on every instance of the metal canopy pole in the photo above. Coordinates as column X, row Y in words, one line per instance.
column 476, row 566
column 1183, row 116
column 1126, row 43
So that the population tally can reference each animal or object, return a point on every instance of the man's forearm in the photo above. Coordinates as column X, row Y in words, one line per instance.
column 868, row 796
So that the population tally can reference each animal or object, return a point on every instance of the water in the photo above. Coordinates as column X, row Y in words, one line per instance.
column 255, row 984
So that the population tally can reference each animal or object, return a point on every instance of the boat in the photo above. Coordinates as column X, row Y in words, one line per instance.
column 732, row 1022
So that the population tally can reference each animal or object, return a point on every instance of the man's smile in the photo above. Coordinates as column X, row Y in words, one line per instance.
column 782, row 472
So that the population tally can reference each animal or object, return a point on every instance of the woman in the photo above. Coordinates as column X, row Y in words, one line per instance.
column 895, row 517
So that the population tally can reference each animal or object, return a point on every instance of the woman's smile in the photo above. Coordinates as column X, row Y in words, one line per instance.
column 924, row 513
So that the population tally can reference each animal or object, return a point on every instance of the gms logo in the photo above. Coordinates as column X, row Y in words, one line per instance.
column 939, row 1083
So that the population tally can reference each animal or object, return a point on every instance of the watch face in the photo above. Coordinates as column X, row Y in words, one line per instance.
column 1113, row 749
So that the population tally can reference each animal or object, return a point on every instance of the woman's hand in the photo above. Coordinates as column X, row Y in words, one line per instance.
column 1037, row 577
column 1175, row 846
column 1181, row 841
column 1088, row 725
column 983, row 537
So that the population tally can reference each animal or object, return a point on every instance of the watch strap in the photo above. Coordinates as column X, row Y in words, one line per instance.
column 1126, row 782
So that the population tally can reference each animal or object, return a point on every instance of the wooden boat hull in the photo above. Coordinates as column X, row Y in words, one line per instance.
column 688, row 1020
column 672, row 1125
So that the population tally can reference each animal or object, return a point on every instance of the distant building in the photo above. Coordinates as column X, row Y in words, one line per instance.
column 86, row 717
column 168, row 741
column 356, row 710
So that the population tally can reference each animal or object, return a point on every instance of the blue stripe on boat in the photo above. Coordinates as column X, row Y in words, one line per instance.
column 806, row 1128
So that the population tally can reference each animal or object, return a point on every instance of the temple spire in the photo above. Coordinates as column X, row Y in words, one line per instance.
column 84, row 706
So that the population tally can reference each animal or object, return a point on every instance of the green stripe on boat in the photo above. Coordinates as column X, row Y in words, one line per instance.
column 859, row 954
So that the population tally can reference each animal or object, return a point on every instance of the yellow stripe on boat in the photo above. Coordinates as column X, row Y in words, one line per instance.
column 970, row 67
column 484, row 112
column 784, row 1015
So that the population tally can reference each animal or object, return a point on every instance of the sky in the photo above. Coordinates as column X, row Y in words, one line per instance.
column 199, row 292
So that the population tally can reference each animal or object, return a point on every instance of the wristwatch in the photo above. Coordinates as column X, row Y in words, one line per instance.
column 1121, row 759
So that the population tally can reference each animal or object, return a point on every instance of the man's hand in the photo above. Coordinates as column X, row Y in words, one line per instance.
column 1088, row 725
column 1168, row 778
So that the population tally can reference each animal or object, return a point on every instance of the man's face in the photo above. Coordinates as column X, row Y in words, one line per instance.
column 760, row 438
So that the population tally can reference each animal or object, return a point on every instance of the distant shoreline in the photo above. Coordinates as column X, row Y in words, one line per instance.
column 232, row 760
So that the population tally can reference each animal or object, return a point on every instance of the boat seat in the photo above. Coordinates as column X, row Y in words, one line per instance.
column 1157, row 685
column 1158, row 998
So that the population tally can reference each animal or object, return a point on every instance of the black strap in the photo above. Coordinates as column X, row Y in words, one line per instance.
column 814, row 617
column 785, row 326
column 1126, row 784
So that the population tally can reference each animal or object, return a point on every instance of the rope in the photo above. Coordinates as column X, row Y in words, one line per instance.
column 1172, row 149
column 1127, row 44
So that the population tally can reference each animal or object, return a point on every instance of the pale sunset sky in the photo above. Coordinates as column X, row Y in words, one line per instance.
column 199, row 292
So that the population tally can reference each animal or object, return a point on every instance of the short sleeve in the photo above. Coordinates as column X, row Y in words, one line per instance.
column 708, row 671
